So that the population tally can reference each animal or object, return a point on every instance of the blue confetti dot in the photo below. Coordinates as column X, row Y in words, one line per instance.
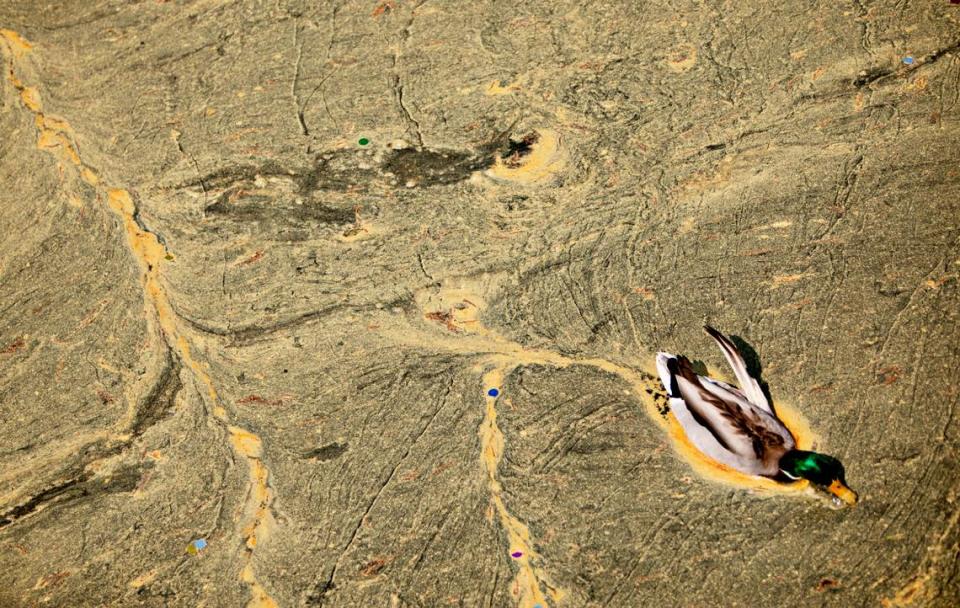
column 908, row 60
column 493, row 392
column 196, row 546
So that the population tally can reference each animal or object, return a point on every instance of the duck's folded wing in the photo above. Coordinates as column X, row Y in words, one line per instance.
column 748, row 384
column 723, row 419
column 725, row 386
column 723, row 391
column 757, row 420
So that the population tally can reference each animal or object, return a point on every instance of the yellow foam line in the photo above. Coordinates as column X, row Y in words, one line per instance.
column 246, row 442
column 89, row 176
column 529, row 578
column 495, row 88
column 261, row 599
column 31, row 99
column 55, row 136
column 18, row 46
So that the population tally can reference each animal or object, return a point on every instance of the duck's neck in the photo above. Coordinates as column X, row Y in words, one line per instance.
column 795, row 461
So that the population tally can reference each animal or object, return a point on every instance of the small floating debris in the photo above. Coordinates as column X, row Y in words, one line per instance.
column 197, row 546
column 537, row 158
column 363, row 141
column 516, row 554
column 908, row 60
column 493, row 392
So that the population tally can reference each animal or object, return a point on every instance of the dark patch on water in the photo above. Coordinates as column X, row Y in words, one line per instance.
column 239, row 205
column 518, row 149
column 867, row 76
column 327, row 452
column 432, row 167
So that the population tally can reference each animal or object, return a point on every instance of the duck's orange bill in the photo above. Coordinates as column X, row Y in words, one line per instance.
column 843, row 492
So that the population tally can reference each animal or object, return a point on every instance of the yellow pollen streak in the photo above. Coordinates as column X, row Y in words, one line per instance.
column 529, row 579
column 55, row 136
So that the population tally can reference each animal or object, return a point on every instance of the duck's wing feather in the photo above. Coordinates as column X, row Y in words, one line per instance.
column 749, row 385
column 725, row 386
column 722, row 418
column 757, row 416
column 752, row 439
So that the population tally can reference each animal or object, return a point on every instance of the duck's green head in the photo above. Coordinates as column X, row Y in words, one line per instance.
column 821, row 470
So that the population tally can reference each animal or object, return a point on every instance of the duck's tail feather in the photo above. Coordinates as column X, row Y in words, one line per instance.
column 667, row 368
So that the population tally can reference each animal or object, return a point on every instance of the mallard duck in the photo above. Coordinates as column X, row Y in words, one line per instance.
column 738, row 427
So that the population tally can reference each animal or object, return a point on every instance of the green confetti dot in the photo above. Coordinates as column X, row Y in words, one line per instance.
column 363, row 141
